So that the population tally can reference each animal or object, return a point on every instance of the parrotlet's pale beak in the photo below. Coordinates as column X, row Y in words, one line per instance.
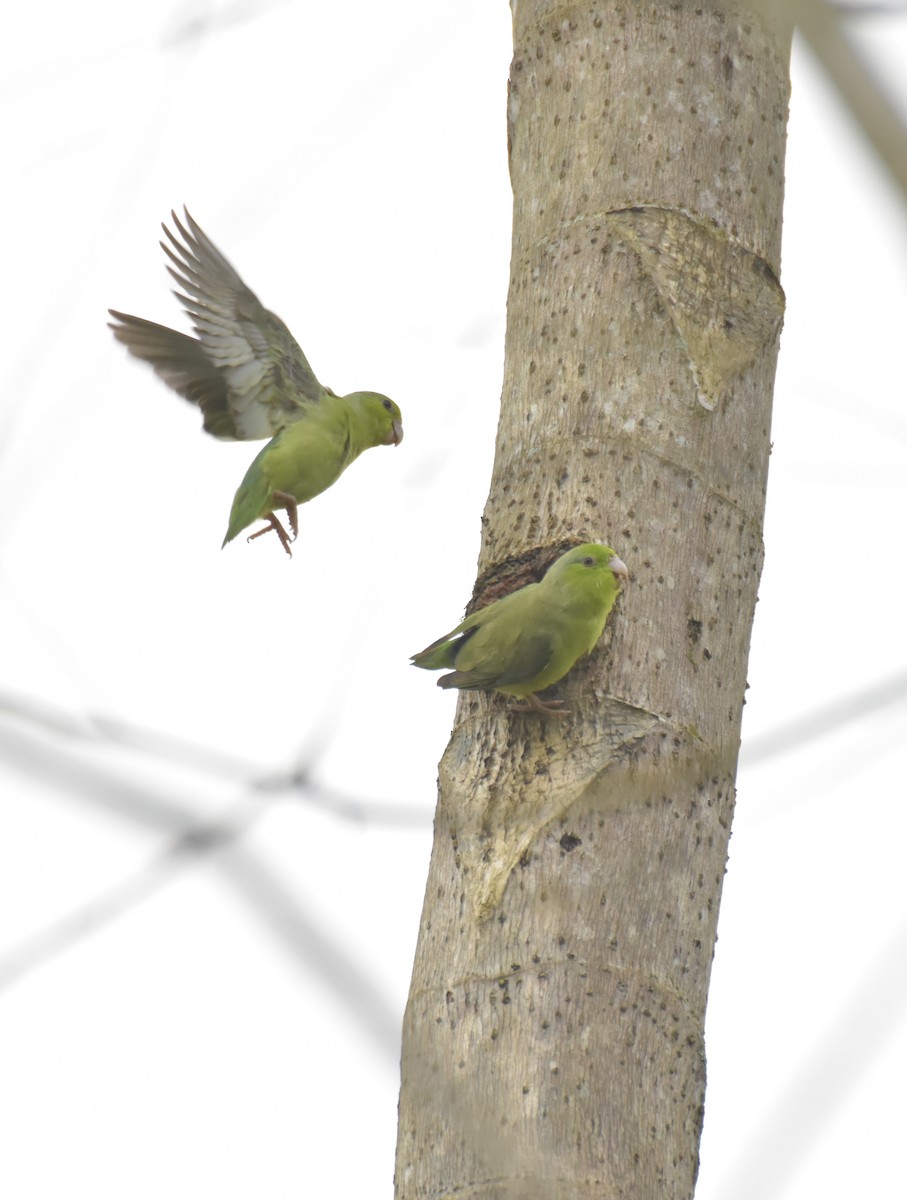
column 618, row 567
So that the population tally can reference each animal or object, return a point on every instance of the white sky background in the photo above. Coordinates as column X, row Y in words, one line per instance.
column 231, row 1034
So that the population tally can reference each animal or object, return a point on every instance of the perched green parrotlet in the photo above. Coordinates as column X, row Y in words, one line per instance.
column 524, row 642
column 248, row 375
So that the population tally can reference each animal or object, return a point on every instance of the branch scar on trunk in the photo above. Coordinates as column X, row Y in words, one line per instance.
column 725, row 301
column 502, row 809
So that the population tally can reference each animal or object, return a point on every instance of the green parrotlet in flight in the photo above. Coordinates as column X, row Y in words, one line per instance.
column 524, row 642
column 248, row 375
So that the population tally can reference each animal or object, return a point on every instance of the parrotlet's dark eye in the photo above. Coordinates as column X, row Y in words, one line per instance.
column 588, row 561
column 387, row 404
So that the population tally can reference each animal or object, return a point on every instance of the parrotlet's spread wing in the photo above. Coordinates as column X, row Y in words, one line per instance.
column 249, row 376
column 524, row 642
column 244, row 369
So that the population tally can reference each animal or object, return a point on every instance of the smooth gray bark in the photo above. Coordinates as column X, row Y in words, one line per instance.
column 553, row 1042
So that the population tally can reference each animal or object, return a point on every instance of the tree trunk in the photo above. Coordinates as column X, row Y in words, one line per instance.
column 553, row 1041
